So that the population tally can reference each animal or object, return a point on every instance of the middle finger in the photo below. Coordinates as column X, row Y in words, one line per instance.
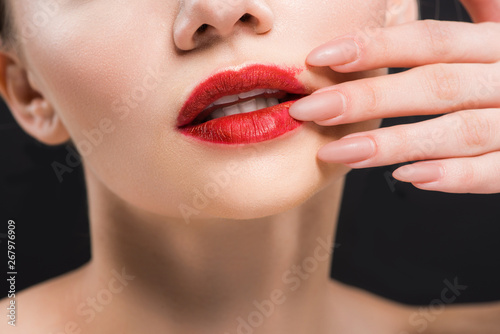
column 426, row 90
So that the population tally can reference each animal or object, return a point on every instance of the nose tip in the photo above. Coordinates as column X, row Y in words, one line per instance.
column 200, row 20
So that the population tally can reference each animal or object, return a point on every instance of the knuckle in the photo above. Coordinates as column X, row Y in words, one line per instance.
column 383, row 44
column 437, row 35
column 474, row 131
column 488, row 83
column 371, row 96
column 443, row 83
column 398, row 142
column 468, row 178
column 489, row 29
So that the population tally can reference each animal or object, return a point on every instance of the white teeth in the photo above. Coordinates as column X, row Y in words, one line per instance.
column 248, row 106
column 217, row 114
column 244, row 107
column 226, row 100
column 252, row 93
column 261, row 103
column 273, row 102
column 245, row 95
column 231, row 110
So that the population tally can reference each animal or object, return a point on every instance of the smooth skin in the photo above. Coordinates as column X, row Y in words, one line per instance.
column 202, row 276
column 456, row 71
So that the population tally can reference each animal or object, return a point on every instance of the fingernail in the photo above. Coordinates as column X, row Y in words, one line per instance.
column 319, row 107
column 337, row 52
column 348, row 150
column 422, row 172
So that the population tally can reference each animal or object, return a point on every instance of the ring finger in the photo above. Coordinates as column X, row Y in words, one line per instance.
column 461, row 134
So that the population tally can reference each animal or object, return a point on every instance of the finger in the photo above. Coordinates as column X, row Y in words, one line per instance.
column 409, row 45
column 483, row 10
column 477, row 175
column 461, row 134
column 425, row 90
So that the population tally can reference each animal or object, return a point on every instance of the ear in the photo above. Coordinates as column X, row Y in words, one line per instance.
column 401, row 11
column 28, row 105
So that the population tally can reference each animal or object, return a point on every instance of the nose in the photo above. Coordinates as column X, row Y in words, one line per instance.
column 201, row 20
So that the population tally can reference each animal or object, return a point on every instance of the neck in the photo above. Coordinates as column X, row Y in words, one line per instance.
column 271, row 273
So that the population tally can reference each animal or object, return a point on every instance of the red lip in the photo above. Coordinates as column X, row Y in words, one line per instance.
column 257, row 126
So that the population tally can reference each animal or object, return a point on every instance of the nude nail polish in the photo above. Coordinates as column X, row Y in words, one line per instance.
column 319, row 107
column 348, row 150
column 423, row 172
column 334, row 53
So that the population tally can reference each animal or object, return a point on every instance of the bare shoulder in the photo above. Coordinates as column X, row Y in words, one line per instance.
column 40, row 308
column 358, row 311
column 364, row 312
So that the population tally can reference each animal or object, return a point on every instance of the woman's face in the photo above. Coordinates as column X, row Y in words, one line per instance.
column 118, row 79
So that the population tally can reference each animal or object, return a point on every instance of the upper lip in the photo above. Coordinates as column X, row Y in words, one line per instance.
column 236, row 81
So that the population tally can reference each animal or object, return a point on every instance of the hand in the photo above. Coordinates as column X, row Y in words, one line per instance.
column 457, row 73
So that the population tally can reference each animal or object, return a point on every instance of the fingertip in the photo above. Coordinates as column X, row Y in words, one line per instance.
column 318, row 57
column 299, row 110
column 397, row 175
column 429, row 186
column 421, row 173
column 353, row 152
column 318, row 107
column 335, row 53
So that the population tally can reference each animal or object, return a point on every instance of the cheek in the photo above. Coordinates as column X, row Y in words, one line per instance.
column 106, row 69
column 314, row 22
column 116, row 82
column 104, row 75
column 92, row 63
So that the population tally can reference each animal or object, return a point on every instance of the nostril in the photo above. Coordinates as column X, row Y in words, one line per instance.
column 203, row 22
column 202, row 29
column 245, row 18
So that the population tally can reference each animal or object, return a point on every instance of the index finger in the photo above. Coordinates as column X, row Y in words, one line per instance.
column 410, row 45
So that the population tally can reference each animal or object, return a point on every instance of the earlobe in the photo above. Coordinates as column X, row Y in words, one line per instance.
column 28, row 106
column 401, row 11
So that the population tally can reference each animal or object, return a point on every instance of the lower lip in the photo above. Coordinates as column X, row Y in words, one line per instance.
column 248, row 128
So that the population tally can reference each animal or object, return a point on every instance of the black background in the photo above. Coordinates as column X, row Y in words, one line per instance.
column 395, row 240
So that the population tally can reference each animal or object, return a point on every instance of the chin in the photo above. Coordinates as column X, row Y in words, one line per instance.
column 227, row 182
column 268, row 178
column 269, row 198
column 265, row 180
